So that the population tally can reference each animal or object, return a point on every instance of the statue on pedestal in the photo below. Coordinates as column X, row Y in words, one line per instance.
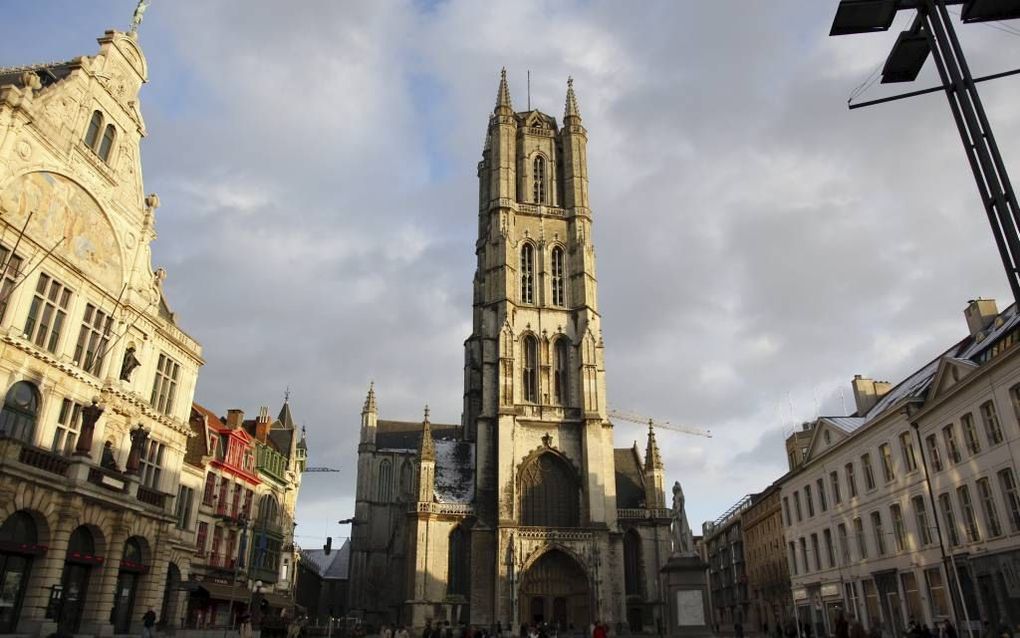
column 139, row 437
column 683, row 537
column 89, row 416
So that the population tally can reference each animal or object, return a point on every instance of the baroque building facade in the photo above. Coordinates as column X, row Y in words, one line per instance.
column 523, row 512
column 910, row 507
column 97, row 375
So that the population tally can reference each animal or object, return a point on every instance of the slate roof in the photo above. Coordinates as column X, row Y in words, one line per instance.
column 406, row 435
column 455, row 471
column 334, row 566
column 630, row 484
column 48, row 72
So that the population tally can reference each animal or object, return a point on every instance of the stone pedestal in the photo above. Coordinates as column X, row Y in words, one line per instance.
column 687, row 607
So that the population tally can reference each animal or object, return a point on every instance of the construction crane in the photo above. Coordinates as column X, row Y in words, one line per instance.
column 666, row 425
column 320, row 469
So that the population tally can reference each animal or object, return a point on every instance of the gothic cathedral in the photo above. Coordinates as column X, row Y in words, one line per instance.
column 524, row 512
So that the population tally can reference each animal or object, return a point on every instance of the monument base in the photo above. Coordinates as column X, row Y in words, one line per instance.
column 687, row 597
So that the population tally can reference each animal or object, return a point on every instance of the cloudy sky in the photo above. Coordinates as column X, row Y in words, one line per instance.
column 758, row 243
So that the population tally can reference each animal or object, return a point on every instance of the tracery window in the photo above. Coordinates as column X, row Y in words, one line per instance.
column 560, row 376
column 458, row 563
column 549, row 494
column 527, row 273
column 632, row 563
column 557, row 277
column 385, row 480
column 530, row 376
column 538, row 185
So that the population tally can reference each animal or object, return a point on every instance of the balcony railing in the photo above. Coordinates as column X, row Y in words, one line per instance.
column 43, row 460
column 152, row 497
column 643, row 513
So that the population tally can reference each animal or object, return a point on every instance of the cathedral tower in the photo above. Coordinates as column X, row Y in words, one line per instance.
column 534, row 376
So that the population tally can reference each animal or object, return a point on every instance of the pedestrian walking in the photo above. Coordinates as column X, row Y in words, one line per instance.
column 149, row 623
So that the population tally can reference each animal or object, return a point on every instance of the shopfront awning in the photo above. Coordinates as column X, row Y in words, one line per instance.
column 219, row 591
column 278, row 600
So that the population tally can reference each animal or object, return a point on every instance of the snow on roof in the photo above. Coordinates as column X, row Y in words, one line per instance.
column 333, row 565
column 455, row 477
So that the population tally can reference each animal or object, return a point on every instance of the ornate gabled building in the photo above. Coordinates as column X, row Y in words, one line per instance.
column 524, row 511
column 97, row 376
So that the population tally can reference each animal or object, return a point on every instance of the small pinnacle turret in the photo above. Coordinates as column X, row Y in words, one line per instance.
column 653, row 460
column 503, row 105
column 570, row 110
column 370, row 400
column 427, row 448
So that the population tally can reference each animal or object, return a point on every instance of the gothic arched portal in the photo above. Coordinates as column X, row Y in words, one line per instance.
column 549, row 493
column 555, row 590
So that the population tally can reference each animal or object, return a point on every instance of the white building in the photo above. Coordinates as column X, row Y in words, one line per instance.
column 866, row 531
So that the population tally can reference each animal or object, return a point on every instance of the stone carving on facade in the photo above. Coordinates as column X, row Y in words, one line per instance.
column 683, row 537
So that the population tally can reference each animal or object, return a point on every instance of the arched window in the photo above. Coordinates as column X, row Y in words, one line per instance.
column 527, row 273
column 107, row 144
column 557, row 277
column 92, row 134
column 81, row 543
column 21, row 407
column 549, row 493
column 458, row 563
column 632, row 563
column 406, row 481
column 19, row 530
column 385, row 480
column 530, row 376
column 268, row 509
column 538, row 186
column 562, row 355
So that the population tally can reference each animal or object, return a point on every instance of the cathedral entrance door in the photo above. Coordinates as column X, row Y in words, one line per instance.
column 555, row 590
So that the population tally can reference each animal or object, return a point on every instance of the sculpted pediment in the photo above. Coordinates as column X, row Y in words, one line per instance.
column 61, row 210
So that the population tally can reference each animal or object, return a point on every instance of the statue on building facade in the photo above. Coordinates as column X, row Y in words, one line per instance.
column 89, row 416
column 129, row 364
column 139, row 437
column 683, row 537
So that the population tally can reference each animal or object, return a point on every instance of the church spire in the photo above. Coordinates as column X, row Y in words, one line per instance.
column 369, row 417
column 427, row 448
column 570, row 110
column 370, row 400
column 503, row 106
column 653, row 460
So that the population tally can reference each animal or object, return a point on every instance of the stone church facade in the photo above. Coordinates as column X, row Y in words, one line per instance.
column 523, row 512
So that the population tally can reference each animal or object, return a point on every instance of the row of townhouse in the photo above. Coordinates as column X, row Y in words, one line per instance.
column 103, row 512
column 909, row 509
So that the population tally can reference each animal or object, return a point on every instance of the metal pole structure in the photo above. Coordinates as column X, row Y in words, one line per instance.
column 979, row 143
column 938, row 527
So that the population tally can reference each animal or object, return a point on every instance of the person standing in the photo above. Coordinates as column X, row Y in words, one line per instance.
column 148, row 623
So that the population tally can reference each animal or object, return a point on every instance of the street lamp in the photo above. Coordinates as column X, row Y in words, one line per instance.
column 932, row 33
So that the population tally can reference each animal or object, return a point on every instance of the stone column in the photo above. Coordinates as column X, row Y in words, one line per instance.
column 153, row 582
column 47, row 570
column 96, row 617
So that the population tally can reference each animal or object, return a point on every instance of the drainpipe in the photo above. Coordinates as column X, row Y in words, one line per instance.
column 909, row 411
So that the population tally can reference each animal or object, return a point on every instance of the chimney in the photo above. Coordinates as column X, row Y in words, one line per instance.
column 980, row 313
column 262, row 424
column 234, row 418
column 328, row 547
column 867, row 392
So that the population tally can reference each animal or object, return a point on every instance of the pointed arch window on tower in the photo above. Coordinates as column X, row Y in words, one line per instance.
column 538, row 186
column 557, row 276
column 527, row 273
column 560, row 377
column 385, row 480
column 530, row 377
